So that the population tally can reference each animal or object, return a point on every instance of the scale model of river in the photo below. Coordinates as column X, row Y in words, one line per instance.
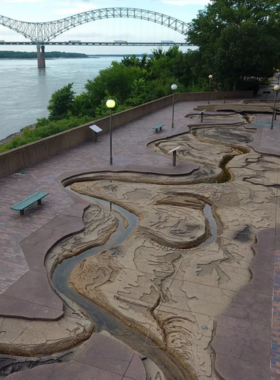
column 104, row 320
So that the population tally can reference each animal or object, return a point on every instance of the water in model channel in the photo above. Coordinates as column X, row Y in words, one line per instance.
column 25, row 90
column 106, row 321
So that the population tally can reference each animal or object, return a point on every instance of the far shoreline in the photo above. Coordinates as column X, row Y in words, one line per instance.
column 7, row 139
column 47, row 59
column 93, row 56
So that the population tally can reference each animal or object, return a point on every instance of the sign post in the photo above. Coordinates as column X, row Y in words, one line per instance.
column 202, row 115
column 174, row 151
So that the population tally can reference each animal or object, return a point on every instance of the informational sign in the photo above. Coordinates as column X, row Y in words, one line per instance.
column 95, row 128
column 175, row 149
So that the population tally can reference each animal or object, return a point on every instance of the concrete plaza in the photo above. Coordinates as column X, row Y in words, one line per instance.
column 129, row 151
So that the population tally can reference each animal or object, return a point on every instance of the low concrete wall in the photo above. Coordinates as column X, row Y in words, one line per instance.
column 20, row 158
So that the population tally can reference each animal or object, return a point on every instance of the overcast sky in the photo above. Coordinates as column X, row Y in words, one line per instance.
column 103, row 30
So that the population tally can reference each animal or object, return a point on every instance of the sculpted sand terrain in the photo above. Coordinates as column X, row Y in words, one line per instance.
column 169, row 278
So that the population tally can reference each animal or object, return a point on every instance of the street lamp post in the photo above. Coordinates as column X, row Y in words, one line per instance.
column 275, row 105
column 210, row 79
column 277, row 76
column 111, row 104
column 275, row 109
column 276, row 89
column 173, row 88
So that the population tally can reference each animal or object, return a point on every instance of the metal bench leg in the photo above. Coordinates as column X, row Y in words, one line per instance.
column 39, row 201
column 21, row 212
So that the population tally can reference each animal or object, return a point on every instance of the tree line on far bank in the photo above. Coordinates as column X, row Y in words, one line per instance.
column 238, row 43
column 5, row 54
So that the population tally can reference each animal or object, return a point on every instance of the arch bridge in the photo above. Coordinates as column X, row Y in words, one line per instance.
column 41, row 33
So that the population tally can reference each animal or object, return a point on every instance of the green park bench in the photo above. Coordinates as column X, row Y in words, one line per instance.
column 158, row 127
column 37, row 197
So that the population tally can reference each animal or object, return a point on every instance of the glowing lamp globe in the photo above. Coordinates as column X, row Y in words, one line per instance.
column 110, row 103
column 276, row 88
column 210, row 77
column 174, row 87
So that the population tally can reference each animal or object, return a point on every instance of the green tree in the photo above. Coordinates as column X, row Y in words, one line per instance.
column 117, row 80
column 138, row 93
column 245, row 51
column 237, row 39
column 134, row 61
column 82, row 105
column 61, row 102
column 102, row 110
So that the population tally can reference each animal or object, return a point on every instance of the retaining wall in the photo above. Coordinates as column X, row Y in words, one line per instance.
column 22, row 157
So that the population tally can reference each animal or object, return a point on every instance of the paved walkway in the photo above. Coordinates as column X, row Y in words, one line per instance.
column 128, row 149
column 267, row 141
column 100, row 358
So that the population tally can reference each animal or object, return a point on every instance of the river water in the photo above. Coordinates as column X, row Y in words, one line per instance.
column 25, row 90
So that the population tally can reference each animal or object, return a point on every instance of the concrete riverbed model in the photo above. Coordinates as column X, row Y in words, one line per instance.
column 151, row 271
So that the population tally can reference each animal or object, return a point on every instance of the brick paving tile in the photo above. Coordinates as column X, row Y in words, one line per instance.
column 268, row 141
column 128, row 149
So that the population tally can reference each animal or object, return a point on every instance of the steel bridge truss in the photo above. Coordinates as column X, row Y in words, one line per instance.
column 45, row 31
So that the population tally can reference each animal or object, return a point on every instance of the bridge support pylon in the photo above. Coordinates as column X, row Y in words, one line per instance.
column 41, row 56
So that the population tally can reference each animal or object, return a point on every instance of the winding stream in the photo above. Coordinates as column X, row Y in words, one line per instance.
column 103, row 319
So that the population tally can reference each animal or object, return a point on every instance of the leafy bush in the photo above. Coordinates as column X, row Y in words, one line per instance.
column 265, row 82
column 61, row 102
column 249, row 84
column 44, row 129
